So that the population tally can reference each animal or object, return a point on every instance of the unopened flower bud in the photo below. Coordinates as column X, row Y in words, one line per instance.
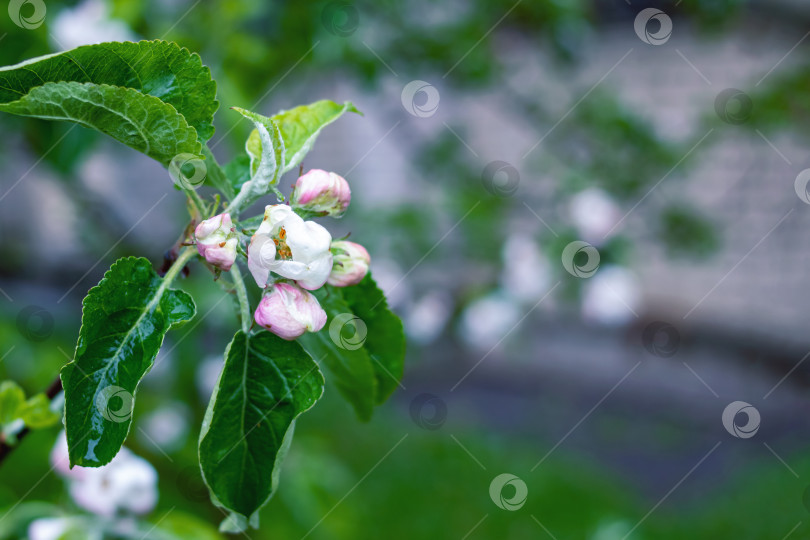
column 350, row 264
column 217, row 241
column 288, row 311
column 322, row 193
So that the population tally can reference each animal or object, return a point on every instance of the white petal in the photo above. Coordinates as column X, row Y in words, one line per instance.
column 274, row 214
column 309, row 241
column 261, row 256
column 277, row 213
column 290, row 269
column 318, row 272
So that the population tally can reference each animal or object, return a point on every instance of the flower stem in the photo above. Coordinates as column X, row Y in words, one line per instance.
column 234, row 207
column 183, row 258
column 241, row 295
column 197, row 202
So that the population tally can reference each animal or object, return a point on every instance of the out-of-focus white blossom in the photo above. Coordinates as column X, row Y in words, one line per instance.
column 167, row 427
column 51, row 528
column 526, row 271
column 128, row 483
column 87, row 23
column 427, row 317
column 487, row 320
column 611, row 297
column 594, row 214
column 391, row 280
column 60, row 460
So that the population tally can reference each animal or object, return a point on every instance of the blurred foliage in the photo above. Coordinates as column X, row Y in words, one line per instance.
column 253, row 46
column 685, row 232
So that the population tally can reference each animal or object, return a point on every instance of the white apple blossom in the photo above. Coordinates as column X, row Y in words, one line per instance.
column 289, row 246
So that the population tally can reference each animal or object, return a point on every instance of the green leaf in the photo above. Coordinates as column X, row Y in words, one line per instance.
column 124, row 320
column 12, row 397
column 158, row 68
column 384, row 337
column 362, row 344
column 265, row 384
column 300, row 127
column 140, row 121
column 352, row 369
column 265, row 166
column 37, row 413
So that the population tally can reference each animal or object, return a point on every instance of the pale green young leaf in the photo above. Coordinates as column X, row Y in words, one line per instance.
column 37, row 414
column 12, row 398
column 300, row 127
column 266, row 158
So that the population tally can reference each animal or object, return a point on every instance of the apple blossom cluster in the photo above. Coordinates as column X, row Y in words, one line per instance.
column 288, row 255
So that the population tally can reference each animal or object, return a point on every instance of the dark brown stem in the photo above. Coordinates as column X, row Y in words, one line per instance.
column 5, row 448
column 171, row 254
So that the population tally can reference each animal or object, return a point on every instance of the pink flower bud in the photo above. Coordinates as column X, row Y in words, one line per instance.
column 217, row 241
column 350, row 264
column 323, row 193
column 288, row 311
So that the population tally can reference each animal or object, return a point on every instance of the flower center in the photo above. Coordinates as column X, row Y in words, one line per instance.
column 282, row 248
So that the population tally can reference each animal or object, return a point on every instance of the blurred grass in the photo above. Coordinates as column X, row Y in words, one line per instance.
column 392, row 479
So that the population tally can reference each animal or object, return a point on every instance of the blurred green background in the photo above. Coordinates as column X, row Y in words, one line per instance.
column 556, row 122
